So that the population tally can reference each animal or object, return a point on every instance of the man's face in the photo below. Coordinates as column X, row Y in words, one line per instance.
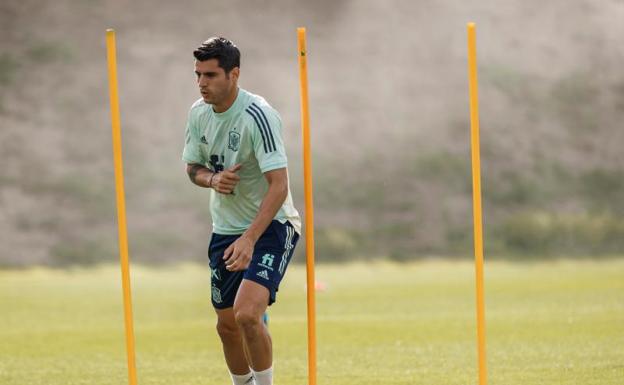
column 214, row 85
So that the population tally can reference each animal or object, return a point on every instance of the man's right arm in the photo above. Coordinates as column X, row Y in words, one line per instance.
column 222, row 182
column 200, row 175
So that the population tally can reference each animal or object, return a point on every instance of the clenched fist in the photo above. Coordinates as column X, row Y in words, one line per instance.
column 225, row 181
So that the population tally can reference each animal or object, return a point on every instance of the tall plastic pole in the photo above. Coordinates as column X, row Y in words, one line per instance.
column 476, row 198
column 121, row 204
column 309, row 206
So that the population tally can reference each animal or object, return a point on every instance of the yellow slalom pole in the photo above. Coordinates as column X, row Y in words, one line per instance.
column 476, row 197
column 121, row 204
column 309, row 207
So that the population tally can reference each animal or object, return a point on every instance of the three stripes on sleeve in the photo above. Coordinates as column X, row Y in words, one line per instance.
column 263, row 125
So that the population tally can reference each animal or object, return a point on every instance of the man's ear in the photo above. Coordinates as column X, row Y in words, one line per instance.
column 235, row 72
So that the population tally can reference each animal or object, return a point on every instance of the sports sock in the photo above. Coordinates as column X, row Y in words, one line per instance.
column 264, row 377
column 244, row 379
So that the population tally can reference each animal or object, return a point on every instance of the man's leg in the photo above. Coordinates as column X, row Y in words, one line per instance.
column 249, row 306
column 233, row 346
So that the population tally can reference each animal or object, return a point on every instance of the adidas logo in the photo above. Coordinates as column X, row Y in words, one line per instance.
column 264, row 274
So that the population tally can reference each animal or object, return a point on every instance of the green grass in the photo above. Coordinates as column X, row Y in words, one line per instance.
column 547, row 323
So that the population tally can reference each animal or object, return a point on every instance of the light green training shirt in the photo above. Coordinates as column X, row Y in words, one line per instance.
column 250, row 133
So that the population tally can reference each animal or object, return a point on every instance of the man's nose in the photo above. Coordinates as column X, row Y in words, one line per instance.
column 202, row 81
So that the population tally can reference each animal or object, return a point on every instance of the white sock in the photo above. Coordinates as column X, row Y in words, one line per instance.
column 244, row 379
column 264, row 377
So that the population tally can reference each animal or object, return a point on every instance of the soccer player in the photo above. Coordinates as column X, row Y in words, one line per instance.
column 234, row 147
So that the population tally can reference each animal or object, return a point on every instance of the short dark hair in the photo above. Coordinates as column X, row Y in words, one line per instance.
column 222, row 49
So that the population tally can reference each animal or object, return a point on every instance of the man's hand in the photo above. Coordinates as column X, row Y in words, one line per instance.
column 225, row 181
column 238, row 255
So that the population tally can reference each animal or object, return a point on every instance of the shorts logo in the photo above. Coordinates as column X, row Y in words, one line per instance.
column 234, row 142
column 263, row 274
column 215, row 275
column 216, row 295
column 267, row 261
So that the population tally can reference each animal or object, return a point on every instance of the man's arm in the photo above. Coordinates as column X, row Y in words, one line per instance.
column 238, row 255
column 222, row 182
column 200, row 175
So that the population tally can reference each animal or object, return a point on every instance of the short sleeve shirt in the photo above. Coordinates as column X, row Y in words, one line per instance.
column 249, row 133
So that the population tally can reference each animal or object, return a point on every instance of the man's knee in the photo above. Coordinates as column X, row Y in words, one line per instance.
column 246, row 318
column 228, row 331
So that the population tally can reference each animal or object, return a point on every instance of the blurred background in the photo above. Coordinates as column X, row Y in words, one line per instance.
column 389, row 115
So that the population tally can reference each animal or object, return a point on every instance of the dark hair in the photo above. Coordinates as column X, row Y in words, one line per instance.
column 222, row 49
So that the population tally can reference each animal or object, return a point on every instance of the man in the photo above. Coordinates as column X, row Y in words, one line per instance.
column 234, row 146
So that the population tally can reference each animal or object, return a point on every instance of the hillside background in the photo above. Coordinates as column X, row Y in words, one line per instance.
column 389, row 110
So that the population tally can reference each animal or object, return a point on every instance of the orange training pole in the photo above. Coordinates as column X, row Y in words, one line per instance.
column 309, row 207
column 121, row 204
column 476, row 197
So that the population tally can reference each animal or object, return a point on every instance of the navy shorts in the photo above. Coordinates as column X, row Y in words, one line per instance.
column 271, row 256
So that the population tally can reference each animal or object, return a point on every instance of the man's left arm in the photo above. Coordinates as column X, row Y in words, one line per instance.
column 238, row 255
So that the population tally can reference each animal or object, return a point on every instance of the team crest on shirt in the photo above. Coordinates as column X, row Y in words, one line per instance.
column 234, row 142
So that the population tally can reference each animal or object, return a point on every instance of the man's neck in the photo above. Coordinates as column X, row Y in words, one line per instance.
column 226, row 103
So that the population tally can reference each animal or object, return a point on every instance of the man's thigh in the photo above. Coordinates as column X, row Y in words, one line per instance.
column 252, row 297
column 225, row 317
column 271, row 257
column 224, row 283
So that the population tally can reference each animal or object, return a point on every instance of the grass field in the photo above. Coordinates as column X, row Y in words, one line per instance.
column 547, row 323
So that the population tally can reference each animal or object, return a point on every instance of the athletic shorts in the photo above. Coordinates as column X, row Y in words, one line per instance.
column 271, row 256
